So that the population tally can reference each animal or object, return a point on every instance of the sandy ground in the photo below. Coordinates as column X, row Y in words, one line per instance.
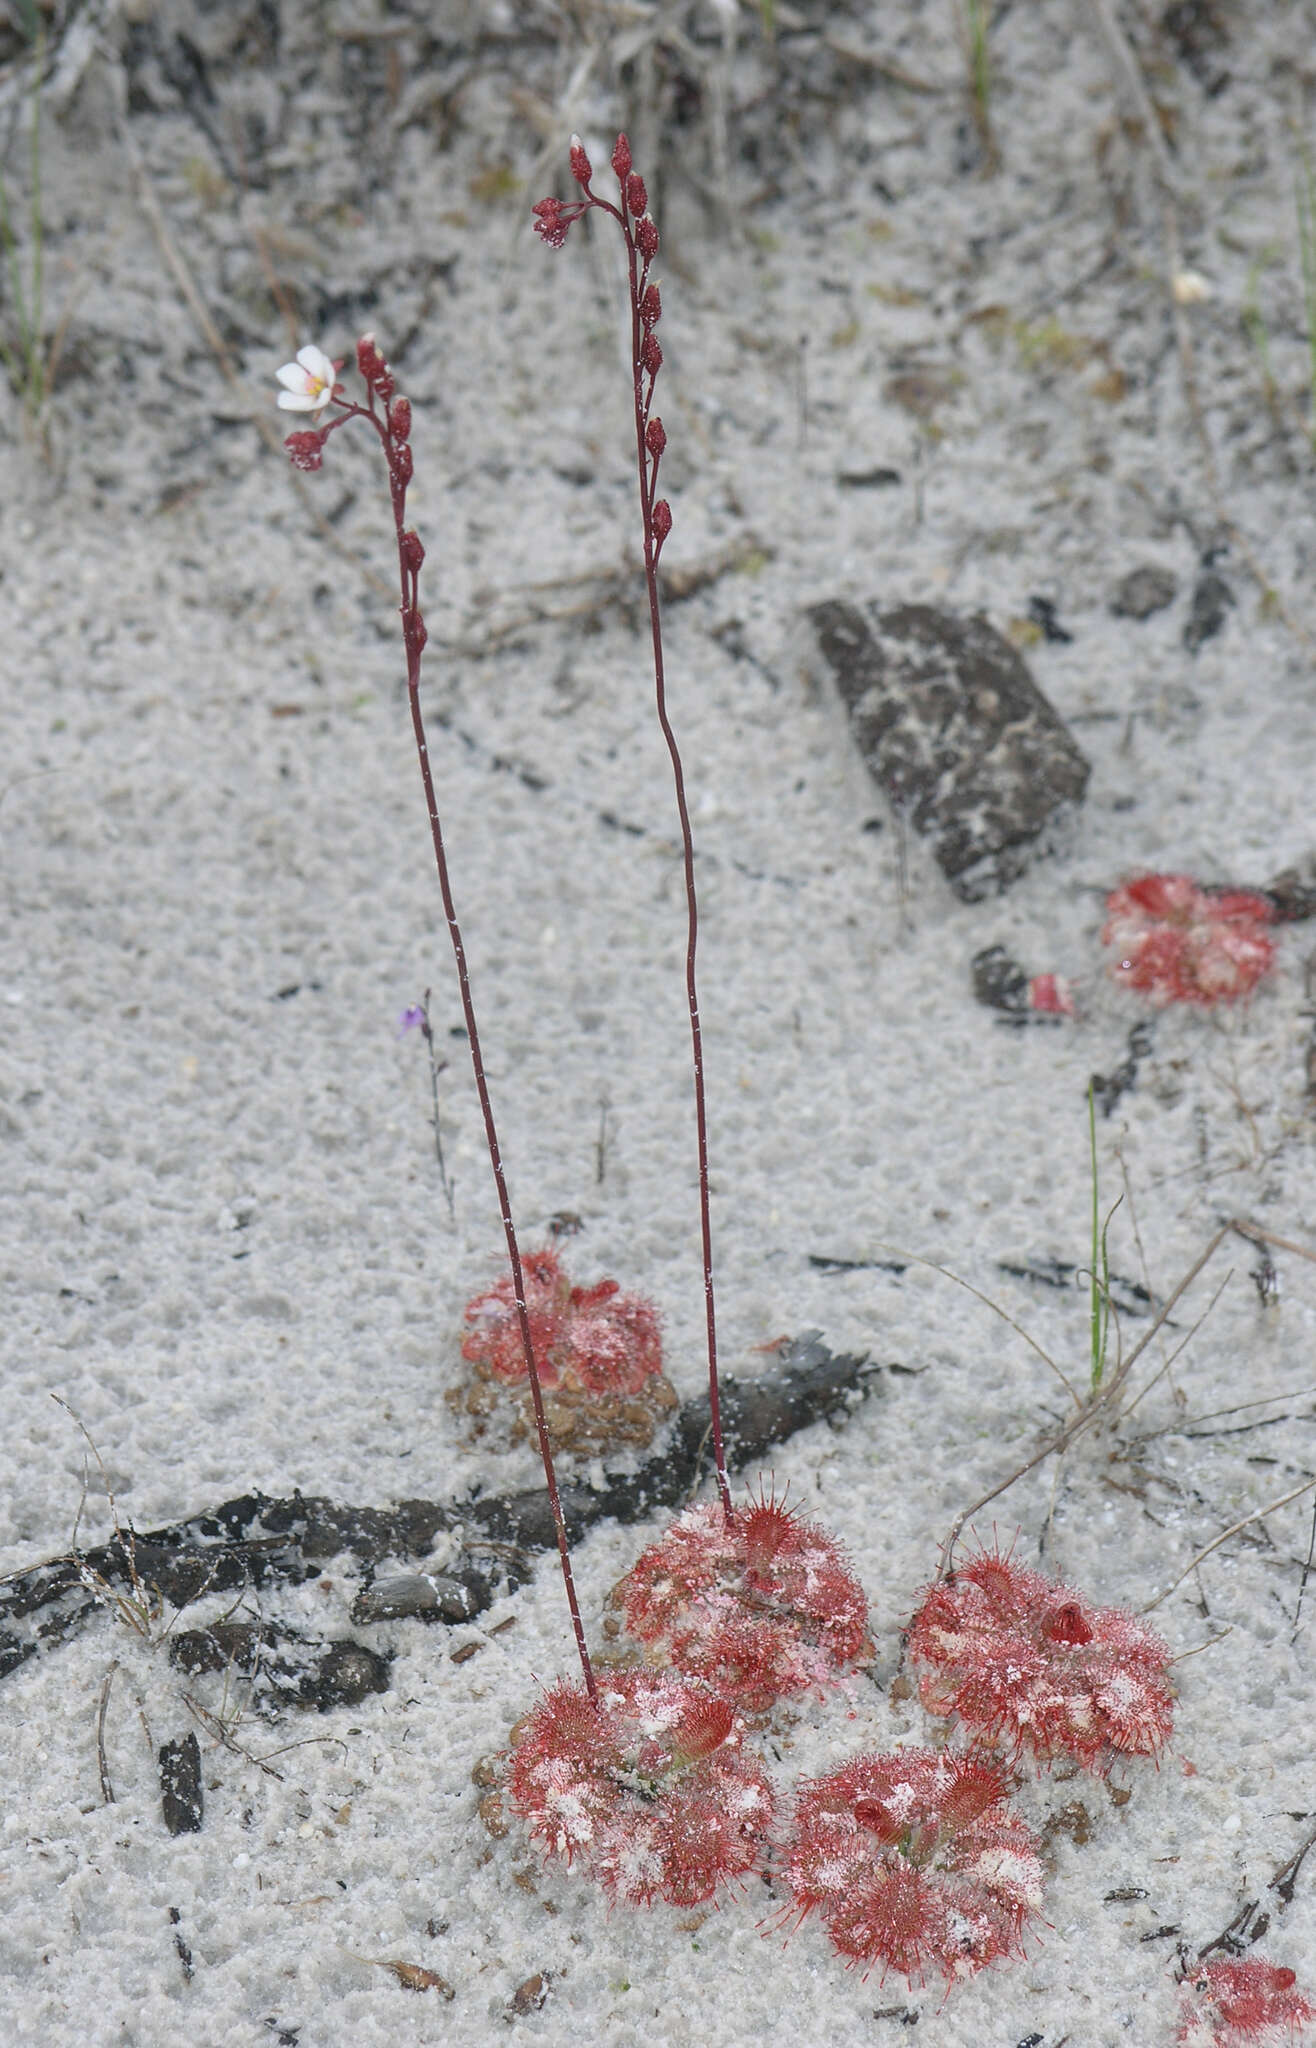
column 222, row 1240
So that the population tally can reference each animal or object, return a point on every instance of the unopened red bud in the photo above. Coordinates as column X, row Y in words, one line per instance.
column 655, row 438
column 621, row 160
column 413, row 554
column 651, row 307
column 413, row 628
column 368, row 359
column 646, row 238
column 636, row 197
column 305, row 451
column 581, row 169
column 549, row 222
column 651, row 355
column 384, row 381
column 399, row 419
column 662, row 520
column 403, row 465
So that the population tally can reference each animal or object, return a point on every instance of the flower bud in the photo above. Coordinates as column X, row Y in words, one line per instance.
column 403, row 465
column 384, row 381
column 549, row 222
column 636, row 197
column 621, row 160
column 413, row 629
column 655, row 437
column 368, row 359
column 662, row 520
column 413, row 554
column 651, row 355
column 581, row 169
column 651, row 307
column 305, row 451
column 646, row 238
column 399, row 419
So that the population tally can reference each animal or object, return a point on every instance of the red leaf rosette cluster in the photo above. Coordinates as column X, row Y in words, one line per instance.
column 1177, row 943
column 1228, row 2004
column 652, row 1790
column 914, row 1860
column 760, row 1606
column 594, row 1340
column 1034, row 1666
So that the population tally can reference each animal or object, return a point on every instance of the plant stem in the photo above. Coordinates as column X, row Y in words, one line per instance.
column 647, row 460
column 414, row 636
column 1098, row 1335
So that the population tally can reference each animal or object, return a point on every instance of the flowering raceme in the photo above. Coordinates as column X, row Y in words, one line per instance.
column 760, row 1606
column 1031, row 1664
column 1180, row 944
column 1225, row 2004
column 915, row 1859
column 651, row 1789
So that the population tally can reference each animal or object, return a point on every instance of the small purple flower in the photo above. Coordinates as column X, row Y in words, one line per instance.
column 414, row 1018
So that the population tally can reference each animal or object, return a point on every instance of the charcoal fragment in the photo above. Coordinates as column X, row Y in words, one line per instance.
column 436, row 1596
column 877, row 479
column 1212, row 598
column 1293, row 892
column 253, row 1541
column 951, row 724
column 1108, row 1088
column 1043, row 613
column 181, row 1796
column 1143, row 591
column 999, row 981
column 345, row 1674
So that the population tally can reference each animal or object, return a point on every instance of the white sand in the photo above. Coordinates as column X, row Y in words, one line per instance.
column 223, row 1241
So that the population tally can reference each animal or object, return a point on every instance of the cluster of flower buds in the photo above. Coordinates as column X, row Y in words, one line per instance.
column 651, row 1788
column 1228, row 2004
column 1032, row 1665
column 915, row 1859
column 553, row 219
column 1178, row 943
column 311, row 383
column 761, row 1606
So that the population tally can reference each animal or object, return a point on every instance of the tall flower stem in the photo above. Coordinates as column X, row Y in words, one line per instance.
column 390, row 416
column 554, row 217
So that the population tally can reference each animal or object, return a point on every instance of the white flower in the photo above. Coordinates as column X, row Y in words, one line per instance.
column 1190, row 288
column 309, row 382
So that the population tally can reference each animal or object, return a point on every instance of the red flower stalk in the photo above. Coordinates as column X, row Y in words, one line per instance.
column 593, row 1339
column 1227, row 2004
column 311, row 385
column 1180, row 944
column 761, row 1606
column 554, row 217
column 1032, row 1665
column 650, row 1788
column 915, row 1860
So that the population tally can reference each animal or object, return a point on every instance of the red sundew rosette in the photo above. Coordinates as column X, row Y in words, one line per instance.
column 914, row 1861
column 652, row 1790
column 594, row 1339
column 1178, row 943
column 761, row 1607
column 1228, row 2004
column 1030, row 1664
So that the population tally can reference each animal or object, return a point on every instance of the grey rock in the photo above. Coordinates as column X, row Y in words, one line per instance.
column 1143, row 591
column 951, row 724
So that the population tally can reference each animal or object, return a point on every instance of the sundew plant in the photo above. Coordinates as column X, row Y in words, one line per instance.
column 651, row 1776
